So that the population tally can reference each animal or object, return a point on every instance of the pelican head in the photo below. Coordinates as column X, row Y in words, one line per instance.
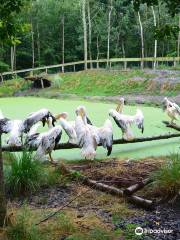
column 120, row 105
column 61, row 115
column 81, row 111
column 165, row 103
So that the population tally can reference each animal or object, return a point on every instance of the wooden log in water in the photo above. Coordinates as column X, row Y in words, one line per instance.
column 116, row 141
column 172, row 125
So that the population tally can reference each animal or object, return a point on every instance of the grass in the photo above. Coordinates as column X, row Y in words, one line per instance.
column 23, row 228
column 10, row 87
column 96, row 83
column 23, row 175
column 166, row 181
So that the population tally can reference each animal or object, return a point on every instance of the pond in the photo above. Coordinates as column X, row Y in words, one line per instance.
column 20, row 107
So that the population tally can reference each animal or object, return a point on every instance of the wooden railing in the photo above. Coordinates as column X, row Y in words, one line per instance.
column 112, row 60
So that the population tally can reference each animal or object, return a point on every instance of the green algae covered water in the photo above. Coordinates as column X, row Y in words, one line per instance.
column 20, row 107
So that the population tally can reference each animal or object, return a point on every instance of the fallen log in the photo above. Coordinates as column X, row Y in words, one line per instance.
column 116, row 141
column 172, row 125
column 134, row 188
column 138, row 201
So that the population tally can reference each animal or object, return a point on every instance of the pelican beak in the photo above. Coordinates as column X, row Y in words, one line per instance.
column 57, row 116
column 118, row 107
column 81, row 113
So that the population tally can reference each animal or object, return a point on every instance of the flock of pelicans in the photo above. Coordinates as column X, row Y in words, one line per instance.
column 81, row 131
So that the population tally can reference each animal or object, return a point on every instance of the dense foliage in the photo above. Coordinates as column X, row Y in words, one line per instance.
column 51, row 31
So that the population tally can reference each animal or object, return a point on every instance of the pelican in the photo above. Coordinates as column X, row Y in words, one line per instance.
column 172, row 109
column 125, row 121
column 87, row 139
column 16, row 128
column 44, row 142
column 105, row 135
column 68, row 126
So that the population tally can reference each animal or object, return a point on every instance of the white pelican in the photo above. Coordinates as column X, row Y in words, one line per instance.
column 87, row 139
column 125, row 121
column 16, row 128
column 172, row 109
column 105, row 135
column 68, row 126
column 44, row 142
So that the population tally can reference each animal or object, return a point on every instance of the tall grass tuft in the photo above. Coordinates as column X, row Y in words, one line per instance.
column 24, row 175
column 166, row 181
column 56, row 82
column 23, row 227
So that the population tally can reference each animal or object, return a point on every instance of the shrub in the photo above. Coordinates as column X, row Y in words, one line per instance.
column 56, row 81
column 24, row 174
column 23, row 228
column 166, row 181
column 3, row 67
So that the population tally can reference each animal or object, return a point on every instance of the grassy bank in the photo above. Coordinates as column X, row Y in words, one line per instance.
column 99, row 83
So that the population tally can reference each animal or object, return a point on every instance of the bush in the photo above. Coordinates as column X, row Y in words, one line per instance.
column 3, row 67
column 56, row 81
column 23, row 228
column 24, row 174
column 166, row 181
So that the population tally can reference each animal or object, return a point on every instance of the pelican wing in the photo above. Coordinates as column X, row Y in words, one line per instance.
column 5, row 125
column 35, row 117
column 177, row 108
column 69, row 129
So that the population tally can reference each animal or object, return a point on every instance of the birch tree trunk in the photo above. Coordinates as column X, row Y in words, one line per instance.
column 178, row 45
column 124, row 55
column 13, row 51
column 90, row 33
column 2, row 192
column 97, row 47
column 38, row 45
column 63, row 42
column 142, row 40
column 155, row 42
column 109, row 32
column 32, row 44
column 85, row 32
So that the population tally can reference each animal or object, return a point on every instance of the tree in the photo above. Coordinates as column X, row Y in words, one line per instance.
column 85, row 32
column 9, row 28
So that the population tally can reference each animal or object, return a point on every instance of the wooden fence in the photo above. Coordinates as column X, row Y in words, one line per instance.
column 173, row 60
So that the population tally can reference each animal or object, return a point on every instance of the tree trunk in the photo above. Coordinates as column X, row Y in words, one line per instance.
column 32, row 44
column 97, row 47
column 85, row 32
column 2, row 192
column 124, row 54
column 90, row 33
column 38, row 45
column 63, row 42
column 142, row 40
column 155, row 42
column 109, row 32
column 178, row 45
column 13, row 50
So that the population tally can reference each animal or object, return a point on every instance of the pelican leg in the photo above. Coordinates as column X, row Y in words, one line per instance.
column 51, row 159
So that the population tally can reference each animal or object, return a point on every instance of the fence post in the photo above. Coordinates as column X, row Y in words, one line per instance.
column 46, row 71
column 62, row 68
column 74, row 67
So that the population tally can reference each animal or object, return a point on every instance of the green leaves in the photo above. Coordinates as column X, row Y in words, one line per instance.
column 9, row 24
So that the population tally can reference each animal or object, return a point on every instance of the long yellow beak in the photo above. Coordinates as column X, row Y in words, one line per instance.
column 118, row 107
column 81, row 113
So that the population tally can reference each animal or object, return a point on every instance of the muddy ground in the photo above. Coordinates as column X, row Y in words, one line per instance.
column 97, row 208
